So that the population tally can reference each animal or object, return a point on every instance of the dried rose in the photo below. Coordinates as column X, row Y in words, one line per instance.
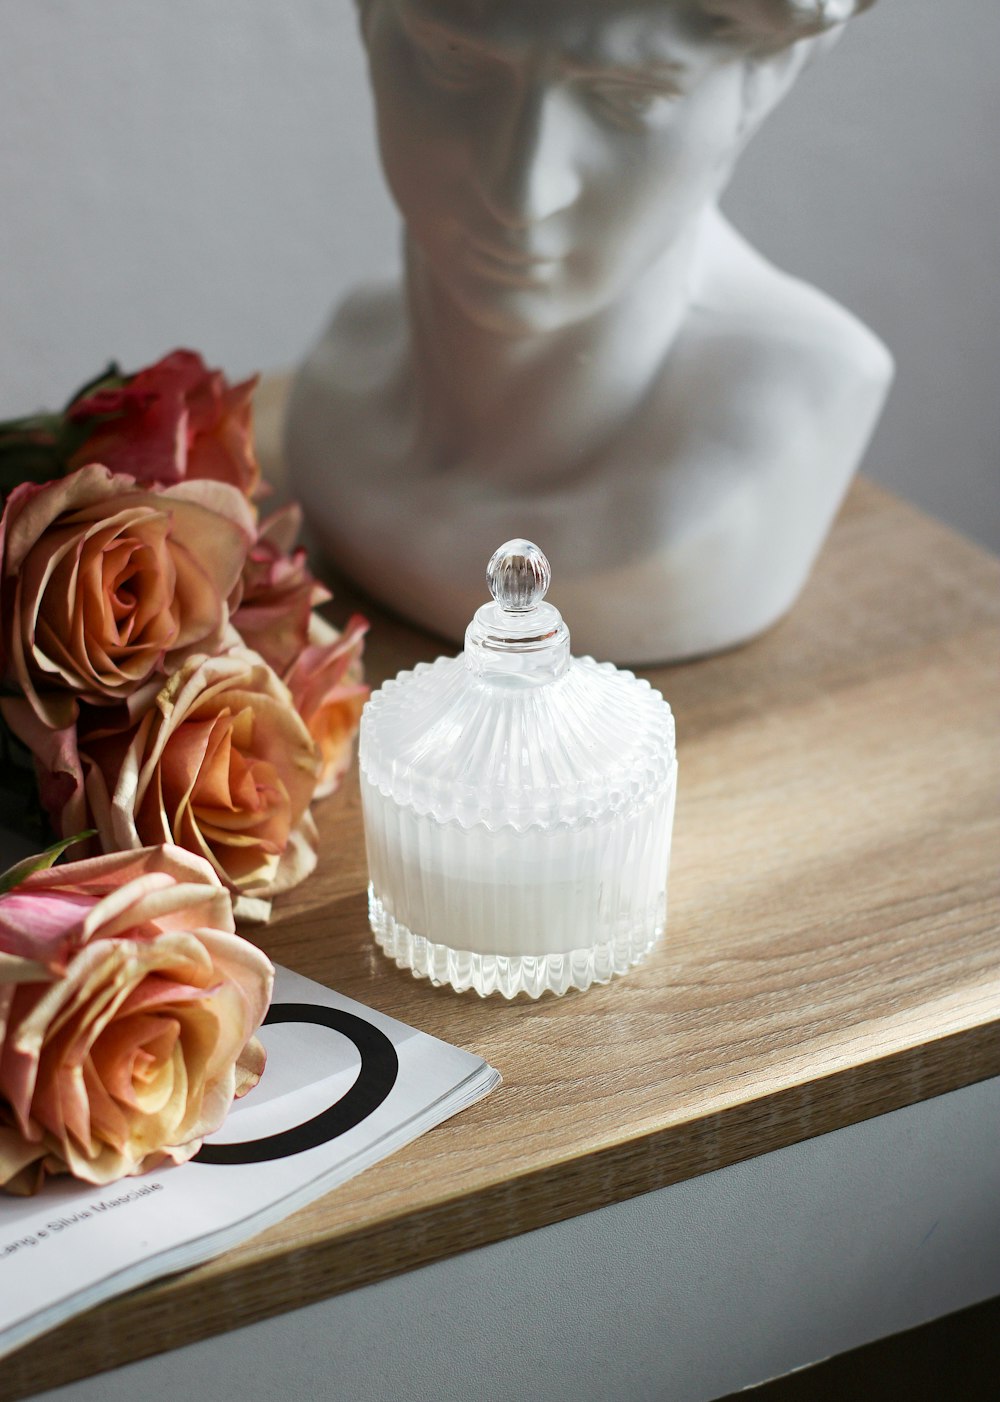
column 278, row 592
column 326, row 683
column 173, row 421
column 106, row 586
column 127, row 1013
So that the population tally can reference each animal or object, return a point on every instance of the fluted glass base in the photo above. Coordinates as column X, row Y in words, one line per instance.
column 510, row 975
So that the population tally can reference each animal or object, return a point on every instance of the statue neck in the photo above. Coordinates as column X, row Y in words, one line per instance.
column 536, row 406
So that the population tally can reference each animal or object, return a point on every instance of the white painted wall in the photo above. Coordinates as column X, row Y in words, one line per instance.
column 204, row 174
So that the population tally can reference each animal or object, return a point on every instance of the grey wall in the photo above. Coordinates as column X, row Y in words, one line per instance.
column 203, row 174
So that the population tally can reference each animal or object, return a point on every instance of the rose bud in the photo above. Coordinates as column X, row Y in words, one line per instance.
column 326, row 682
column 174, row 421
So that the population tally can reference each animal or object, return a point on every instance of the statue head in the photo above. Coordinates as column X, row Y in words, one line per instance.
column 546, row 153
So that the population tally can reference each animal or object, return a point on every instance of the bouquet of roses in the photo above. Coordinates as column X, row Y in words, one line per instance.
column 161, row 656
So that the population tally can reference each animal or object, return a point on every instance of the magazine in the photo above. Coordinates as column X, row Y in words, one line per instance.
column 344, row 1086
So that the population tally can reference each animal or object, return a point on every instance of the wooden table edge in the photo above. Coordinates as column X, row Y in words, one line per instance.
column 148, row 1321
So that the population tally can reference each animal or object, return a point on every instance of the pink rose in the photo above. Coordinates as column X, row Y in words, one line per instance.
column 127, row 1013
column 220, row 764
column 106, row 586
column 172, row 422
column 278, row 592
column 326, row 683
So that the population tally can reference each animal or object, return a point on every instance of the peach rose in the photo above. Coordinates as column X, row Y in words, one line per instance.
column 173, row 421
column 220, row 764
column 106, row 586
column 127, row 1013
column 326, row 684
column 278, row 592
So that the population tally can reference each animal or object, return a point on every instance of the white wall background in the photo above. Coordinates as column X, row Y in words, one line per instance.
column 203, row 174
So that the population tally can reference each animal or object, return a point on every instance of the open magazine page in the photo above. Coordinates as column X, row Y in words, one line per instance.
column 344, row 1086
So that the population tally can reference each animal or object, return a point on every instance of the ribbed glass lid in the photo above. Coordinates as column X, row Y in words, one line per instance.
column 516, row 732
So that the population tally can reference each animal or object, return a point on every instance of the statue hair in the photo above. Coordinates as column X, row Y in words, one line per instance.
column 756, row 25
column 773, row 24
column 770, row 23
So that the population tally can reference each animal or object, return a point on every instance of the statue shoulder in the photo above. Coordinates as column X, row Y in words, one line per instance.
column 350, row 389
column 775, row 334
column 364, row 341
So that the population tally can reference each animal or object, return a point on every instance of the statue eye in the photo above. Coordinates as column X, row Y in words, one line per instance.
column 630, row 104
column 450, row 63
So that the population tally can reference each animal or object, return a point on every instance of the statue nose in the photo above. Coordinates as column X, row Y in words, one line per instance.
column 528, row 158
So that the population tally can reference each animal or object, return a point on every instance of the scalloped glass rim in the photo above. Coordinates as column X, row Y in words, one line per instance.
column 486, row 974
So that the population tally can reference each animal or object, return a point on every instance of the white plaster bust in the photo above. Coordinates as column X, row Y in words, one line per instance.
column 583, row 351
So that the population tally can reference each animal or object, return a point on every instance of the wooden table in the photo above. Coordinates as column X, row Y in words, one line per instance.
column 832, row 950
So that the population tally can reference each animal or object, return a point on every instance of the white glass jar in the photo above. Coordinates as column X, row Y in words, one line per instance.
column 518, row 803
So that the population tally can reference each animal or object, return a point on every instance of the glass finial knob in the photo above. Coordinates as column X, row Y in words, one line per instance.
column 518, row 575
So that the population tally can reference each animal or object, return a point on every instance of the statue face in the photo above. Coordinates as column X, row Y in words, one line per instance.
column 544, row 153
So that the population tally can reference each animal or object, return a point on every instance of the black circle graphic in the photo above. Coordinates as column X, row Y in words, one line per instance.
column 379, row 1069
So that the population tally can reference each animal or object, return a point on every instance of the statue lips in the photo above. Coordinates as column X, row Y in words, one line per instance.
column 507, row 263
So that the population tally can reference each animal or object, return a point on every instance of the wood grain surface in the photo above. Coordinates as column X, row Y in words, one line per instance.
column 832, row 951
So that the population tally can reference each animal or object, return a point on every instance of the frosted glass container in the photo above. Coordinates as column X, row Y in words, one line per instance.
column 518, row 804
